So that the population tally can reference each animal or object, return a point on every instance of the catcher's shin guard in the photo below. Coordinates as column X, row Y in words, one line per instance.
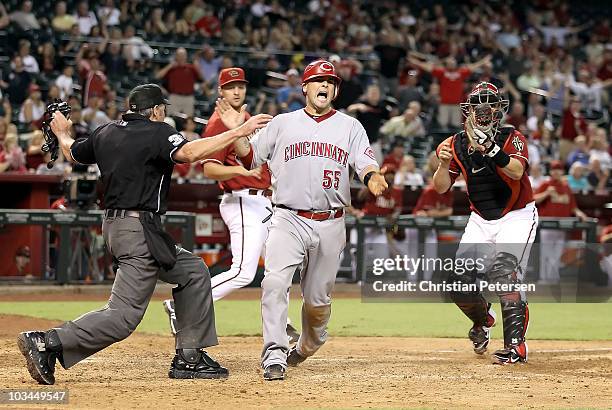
column 476, row 308
column 472, row 304
column 516, row 320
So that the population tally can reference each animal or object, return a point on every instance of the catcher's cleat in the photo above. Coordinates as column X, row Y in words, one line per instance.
column 169, row 308
column 294, row 358
column 274, row 372
column 481, row 335
column 292, row 334
column 511, row 354
column 40, row 360
column 195, row 364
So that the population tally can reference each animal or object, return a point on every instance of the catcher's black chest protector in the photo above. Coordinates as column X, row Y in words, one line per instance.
column 488, row 192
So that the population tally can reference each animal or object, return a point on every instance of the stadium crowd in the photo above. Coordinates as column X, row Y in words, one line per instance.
column 405, row 69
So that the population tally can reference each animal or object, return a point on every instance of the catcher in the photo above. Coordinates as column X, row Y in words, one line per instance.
column 503, row 222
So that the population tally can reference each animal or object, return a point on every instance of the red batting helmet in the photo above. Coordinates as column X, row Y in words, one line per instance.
column 318, row 69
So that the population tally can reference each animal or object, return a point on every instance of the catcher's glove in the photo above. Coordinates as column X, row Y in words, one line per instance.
column 51, row 142
column 481, row 137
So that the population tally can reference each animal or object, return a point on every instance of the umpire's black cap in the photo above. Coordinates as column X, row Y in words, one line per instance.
column 146, row 96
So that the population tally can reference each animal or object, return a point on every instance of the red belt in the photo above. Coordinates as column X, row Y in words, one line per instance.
column 264, row 192
column 316, row 215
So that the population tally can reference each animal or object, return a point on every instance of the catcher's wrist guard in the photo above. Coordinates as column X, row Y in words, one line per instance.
column 500, row 158
column 51, row 144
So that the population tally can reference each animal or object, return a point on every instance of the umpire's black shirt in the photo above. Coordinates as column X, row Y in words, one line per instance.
column 135, row 159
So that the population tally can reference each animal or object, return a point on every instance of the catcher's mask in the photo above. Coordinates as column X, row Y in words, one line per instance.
column 486, row 107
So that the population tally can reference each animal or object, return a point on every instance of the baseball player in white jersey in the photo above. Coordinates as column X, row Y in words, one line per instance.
column 309, row 152
column 245, row 206
column 503, row 222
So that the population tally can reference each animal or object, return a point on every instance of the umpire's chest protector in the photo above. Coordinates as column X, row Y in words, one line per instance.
column 488, row 189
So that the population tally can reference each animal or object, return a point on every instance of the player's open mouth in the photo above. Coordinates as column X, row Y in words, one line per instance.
column 322, row 95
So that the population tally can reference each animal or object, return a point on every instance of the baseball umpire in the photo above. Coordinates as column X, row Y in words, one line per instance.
column 502, row 226
column 136, row 156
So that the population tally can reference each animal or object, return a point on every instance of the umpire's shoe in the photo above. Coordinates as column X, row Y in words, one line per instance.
column 40, row 350
column 169, row 308
column 511, row 354
column 294, row 358
column 274, row 372
column 195, row 364
column 481, row 335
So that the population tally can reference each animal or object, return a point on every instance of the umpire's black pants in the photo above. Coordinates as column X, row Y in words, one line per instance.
column 134, row 284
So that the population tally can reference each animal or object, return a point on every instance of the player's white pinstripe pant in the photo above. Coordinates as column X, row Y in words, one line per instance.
column 243, row 214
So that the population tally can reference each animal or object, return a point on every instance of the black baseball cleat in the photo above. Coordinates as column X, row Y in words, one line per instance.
column 196, row 364
column 40, row 360
column 274, row 372
column 481, row 335
column 169, row 308
column 294, row 358
column 292, row 334
column 511, row 354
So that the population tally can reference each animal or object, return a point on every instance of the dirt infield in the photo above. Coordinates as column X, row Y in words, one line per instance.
column 348, row 372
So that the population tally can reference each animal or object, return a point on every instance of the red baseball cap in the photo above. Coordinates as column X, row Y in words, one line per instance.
column 231, row 75
column 556, row 164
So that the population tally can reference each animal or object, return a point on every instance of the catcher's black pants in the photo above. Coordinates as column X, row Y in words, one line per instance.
column 134, row 284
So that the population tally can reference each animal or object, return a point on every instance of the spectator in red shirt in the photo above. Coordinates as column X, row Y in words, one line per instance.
column 516, row 117
column 395, row 157
column 93, row 79
column 12, row 158
column 209, row 25
column 452, row 79
column 554, row 198
column 572, row 125
column 181, row 78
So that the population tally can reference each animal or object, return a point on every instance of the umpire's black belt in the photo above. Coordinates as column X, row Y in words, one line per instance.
column 161, row 245
column 122, row 213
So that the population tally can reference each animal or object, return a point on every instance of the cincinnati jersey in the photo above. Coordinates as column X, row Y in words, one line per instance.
column 309, row 158
column 491, row 192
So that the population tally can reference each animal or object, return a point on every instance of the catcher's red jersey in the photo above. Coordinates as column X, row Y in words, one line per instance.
column 227, row 156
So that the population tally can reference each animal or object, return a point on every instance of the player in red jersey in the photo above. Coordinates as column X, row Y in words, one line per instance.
column 245, row 206
column 502, row 226
column 555, row 199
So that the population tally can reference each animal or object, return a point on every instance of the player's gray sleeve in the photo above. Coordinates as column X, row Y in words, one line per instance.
column 361, row 155
column 263, row 143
